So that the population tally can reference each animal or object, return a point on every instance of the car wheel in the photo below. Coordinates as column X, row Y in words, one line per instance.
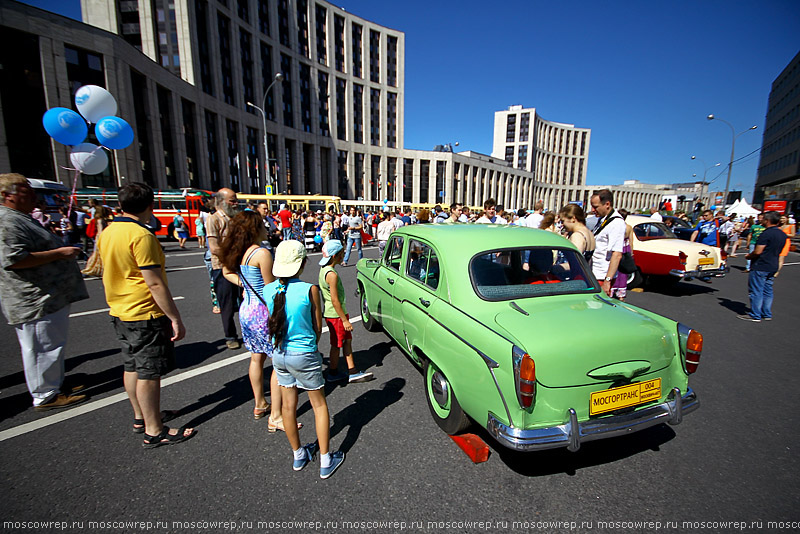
column 635, row 279
column 366, row 317
column 442, row 401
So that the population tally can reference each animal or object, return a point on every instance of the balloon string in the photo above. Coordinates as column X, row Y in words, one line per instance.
column 72, row 199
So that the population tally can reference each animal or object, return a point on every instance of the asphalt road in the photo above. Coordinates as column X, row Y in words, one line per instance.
column 732, row 460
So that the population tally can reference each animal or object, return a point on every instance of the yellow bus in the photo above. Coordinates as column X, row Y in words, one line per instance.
column 295, row 202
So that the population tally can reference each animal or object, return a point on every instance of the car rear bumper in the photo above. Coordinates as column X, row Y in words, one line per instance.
column 722, row 271
column 572, row 433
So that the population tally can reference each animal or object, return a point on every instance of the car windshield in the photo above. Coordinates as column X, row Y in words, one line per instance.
column 652, row 230
column 530, row 272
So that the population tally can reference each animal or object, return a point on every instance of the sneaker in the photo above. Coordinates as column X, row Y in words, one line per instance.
column 335, row 377
column 60, row 401
column 360, row 376
column 337, row 459
column 311, row 450
column 748, row 317
column 233, row 344
column 767, row 319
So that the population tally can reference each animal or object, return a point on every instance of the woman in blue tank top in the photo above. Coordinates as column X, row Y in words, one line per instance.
column 295, row 325
column 248, row 265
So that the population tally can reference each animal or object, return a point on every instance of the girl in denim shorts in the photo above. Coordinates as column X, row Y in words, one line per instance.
column 295, row 325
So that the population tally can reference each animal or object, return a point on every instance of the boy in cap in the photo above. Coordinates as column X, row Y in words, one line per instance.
column 336, row 317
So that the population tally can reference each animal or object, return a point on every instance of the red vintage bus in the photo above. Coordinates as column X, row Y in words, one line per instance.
column 167, row 204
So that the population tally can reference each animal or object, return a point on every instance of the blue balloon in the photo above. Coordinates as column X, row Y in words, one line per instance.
column 113, row 132
column 317, row 239
column 65, row 126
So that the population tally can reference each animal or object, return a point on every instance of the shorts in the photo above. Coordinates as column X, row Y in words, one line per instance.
column 337, row 332
column 298, row 369
column 146, row 346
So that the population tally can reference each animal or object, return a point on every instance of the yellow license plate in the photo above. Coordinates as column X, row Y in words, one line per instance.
column 706, row 261
column 613, row 399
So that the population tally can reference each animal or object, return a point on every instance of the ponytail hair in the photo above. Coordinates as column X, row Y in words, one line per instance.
column 277, row 323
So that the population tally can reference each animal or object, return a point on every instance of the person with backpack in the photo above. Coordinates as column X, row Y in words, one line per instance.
column 181, row 229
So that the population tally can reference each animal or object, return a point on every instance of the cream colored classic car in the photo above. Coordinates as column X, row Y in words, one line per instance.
column 657, row 252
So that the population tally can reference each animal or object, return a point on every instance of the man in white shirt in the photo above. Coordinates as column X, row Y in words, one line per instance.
column 655, row 215
column 534, row 220
column 490, row 215
column 610, row 239
column 385, row 229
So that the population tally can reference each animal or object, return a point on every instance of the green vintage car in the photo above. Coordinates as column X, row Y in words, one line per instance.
column 512, row 331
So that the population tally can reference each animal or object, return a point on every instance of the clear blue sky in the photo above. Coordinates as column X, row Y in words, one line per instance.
column 642, row 75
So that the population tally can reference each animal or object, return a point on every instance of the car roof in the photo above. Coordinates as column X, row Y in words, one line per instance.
column 468, row 239
column 633, row 220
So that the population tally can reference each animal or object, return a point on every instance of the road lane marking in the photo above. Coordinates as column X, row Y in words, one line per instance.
column 92, row 406
column 173, row 269
column 181, row 254
column 92, row 312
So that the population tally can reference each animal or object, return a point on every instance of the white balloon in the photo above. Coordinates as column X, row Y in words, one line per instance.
column 89, row 158
column 94, row 103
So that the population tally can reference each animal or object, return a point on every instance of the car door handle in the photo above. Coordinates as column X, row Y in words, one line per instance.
column 424, row 302
column 390, row 280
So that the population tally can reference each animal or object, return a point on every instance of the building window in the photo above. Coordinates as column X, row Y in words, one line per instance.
column 224, row 27
column 263, row 16
column 359, row 176
column 408, row 180
column 583, row 146
column 242, row 10
column 246, row 50
column 391, row 120
column 165, row 121
column 290, row 165
column 511, row 129
column 213, row 150
column 322, row 97
column 338, row 32
column 305, row 96
column 189, row 135
column 203, row 46
column 375, row 117
column 524, row 126
column 357, row 30
column 322, row 46
column 283, row 23
column 358, row 113
column 341, row 109
column 510, row 154
column 233, row 154
column 286, row 69
column 391, row 178
column 522, row 156
column 253, row 168
column 375, row 178
column 391, row 61
column 341, row 164
column 375, row 56
column 441, row 175
column 424, row 179
column 267, row 78
column 302, row 27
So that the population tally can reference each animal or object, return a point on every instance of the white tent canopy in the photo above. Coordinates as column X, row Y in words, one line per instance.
column 742, row 209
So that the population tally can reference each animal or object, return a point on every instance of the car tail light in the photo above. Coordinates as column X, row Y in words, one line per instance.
column 682, row 257
column 691, row 347
column 723, row 255
column 524, row 377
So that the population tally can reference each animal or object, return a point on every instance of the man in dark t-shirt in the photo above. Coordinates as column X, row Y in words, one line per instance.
column 764, row 265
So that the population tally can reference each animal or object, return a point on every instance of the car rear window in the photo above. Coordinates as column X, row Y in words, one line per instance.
column 530, row 272
column 653, row 230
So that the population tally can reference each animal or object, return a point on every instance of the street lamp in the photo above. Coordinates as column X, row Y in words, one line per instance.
column 278, row 78
column 734, row 135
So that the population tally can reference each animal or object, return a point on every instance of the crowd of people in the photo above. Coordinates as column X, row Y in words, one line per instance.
column 255, row 262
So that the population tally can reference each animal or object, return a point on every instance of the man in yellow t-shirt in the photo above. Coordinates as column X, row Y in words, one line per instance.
column 145, row 317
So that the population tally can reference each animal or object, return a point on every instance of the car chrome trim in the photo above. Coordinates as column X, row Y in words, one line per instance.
column 572, row 433
column 607, row 301
column 440, row 389
column 515, row 306
column 722, row 271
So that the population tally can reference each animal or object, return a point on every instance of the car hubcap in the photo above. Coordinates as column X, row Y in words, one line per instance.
column 440, row 389
column 364, row 309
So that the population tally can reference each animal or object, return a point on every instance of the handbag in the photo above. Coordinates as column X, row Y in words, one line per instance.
column 626, row 264
column 94, row 265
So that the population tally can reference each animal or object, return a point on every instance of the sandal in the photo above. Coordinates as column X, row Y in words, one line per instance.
column 259, row 413
column 165, row 438
column 216, row 309
column 274, row 427
column 166, row 415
